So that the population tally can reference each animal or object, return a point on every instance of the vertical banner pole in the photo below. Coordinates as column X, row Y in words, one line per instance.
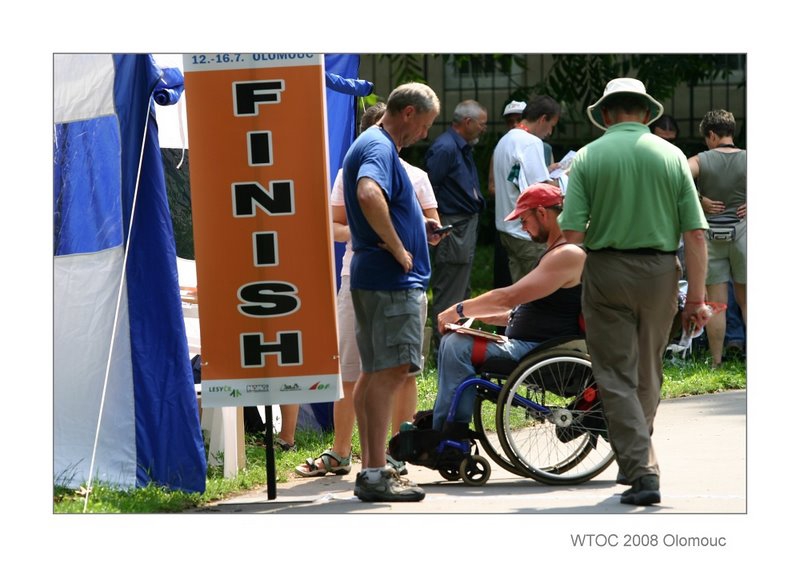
column 270, row 455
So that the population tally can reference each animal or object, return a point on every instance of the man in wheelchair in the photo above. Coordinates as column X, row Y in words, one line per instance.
column 544, row 304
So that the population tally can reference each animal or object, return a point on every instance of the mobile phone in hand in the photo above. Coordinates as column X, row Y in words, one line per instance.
column 443, row 229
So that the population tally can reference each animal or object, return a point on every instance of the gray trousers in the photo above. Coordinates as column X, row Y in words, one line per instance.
column 451, row 265
column 629, row 304
column 522, row 254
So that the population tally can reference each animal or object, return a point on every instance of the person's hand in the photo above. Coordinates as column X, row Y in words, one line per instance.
column 405, row 259
column 403, row 256
column 430, row 226
column 741, row 212
column 712, row 207
column 449, row 315
column 694, row 317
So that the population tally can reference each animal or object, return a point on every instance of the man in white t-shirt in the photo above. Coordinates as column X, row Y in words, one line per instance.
column 518, row 162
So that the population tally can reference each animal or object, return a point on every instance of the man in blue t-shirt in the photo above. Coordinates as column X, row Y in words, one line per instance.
column 389, row 274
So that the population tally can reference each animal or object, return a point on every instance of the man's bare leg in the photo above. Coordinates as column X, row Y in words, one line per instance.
column 289, row 415
column 405, row 403
column 715, row 327
column 344, row 419
column 373, row 397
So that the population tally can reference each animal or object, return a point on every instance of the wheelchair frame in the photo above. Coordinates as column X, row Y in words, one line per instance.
column 549, row 421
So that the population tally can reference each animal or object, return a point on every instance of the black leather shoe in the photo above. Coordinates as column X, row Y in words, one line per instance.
column 645, row 491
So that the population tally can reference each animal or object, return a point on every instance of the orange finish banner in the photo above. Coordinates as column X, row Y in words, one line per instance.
column 262, row 232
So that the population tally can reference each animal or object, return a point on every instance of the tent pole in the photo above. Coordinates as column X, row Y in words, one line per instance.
column 270, row 453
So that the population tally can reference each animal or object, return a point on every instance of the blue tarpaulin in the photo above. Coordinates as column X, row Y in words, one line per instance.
column 343, row 90
column 106, row 157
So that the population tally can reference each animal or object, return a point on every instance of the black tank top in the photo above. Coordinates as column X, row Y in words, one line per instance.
column 553, row 316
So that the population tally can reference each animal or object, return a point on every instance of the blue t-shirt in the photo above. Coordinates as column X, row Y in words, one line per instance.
column 373, row 155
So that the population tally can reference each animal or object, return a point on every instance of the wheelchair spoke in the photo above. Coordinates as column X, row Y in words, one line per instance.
column 567, row 442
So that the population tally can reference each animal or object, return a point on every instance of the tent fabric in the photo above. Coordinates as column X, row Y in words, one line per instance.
column 352, row 87
column 170, row 87
column 149, row 429
column 342, row 90
column 341, row 108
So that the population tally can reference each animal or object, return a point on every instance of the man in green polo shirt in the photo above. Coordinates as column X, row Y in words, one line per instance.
column 630, row 198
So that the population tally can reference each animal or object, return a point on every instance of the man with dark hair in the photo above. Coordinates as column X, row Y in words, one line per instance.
column 518, row 161
column 720, row 122
column 451, row 169
column 666, row 127
column 721, row 174
column 631, row 196
column 389, row 275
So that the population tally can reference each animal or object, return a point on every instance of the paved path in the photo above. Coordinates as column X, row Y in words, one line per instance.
column 701, row 445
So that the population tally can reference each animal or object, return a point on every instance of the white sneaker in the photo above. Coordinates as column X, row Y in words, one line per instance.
column 388, row 488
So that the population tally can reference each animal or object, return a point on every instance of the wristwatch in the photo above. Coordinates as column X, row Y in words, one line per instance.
column 460, row 310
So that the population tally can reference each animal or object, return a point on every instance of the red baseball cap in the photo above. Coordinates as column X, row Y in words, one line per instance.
column 537, row 195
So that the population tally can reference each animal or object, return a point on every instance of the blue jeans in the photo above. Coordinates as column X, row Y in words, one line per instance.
column 734, row 324
column 455, row 366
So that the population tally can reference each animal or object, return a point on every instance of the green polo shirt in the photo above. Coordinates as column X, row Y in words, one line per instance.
column 633, row 190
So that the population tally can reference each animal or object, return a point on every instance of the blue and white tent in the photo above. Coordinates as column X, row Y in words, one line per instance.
column 124, row 397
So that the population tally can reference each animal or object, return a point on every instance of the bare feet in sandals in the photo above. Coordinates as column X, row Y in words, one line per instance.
column 328, row 462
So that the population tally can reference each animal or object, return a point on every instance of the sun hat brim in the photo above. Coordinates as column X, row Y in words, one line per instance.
column 596, row 116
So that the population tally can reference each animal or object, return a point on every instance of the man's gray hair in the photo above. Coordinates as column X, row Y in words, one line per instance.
column 467, row 109
column 417, row 95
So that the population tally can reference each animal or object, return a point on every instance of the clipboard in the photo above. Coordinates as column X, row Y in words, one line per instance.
column 464, row 330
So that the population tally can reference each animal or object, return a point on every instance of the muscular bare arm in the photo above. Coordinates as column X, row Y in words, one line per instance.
column 560, row 268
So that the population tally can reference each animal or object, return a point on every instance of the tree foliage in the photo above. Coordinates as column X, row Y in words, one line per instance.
column 405, row 67
column 578, row 79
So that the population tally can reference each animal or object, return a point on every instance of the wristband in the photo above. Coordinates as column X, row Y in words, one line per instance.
column 460, row 310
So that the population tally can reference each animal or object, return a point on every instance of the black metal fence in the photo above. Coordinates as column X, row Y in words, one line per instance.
column 494, row 80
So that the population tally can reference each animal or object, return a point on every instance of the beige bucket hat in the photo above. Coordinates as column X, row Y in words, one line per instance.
column 624, row 85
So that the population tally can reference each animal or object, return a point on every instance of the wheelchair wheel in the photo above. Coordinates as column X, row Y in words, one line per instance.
column 449, row 474
column 567, row 443
column 475, row 470
column 489, row 440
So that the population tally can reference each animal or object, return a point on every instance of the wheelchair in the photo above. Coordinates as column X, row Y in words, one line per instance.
column 548, row 418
